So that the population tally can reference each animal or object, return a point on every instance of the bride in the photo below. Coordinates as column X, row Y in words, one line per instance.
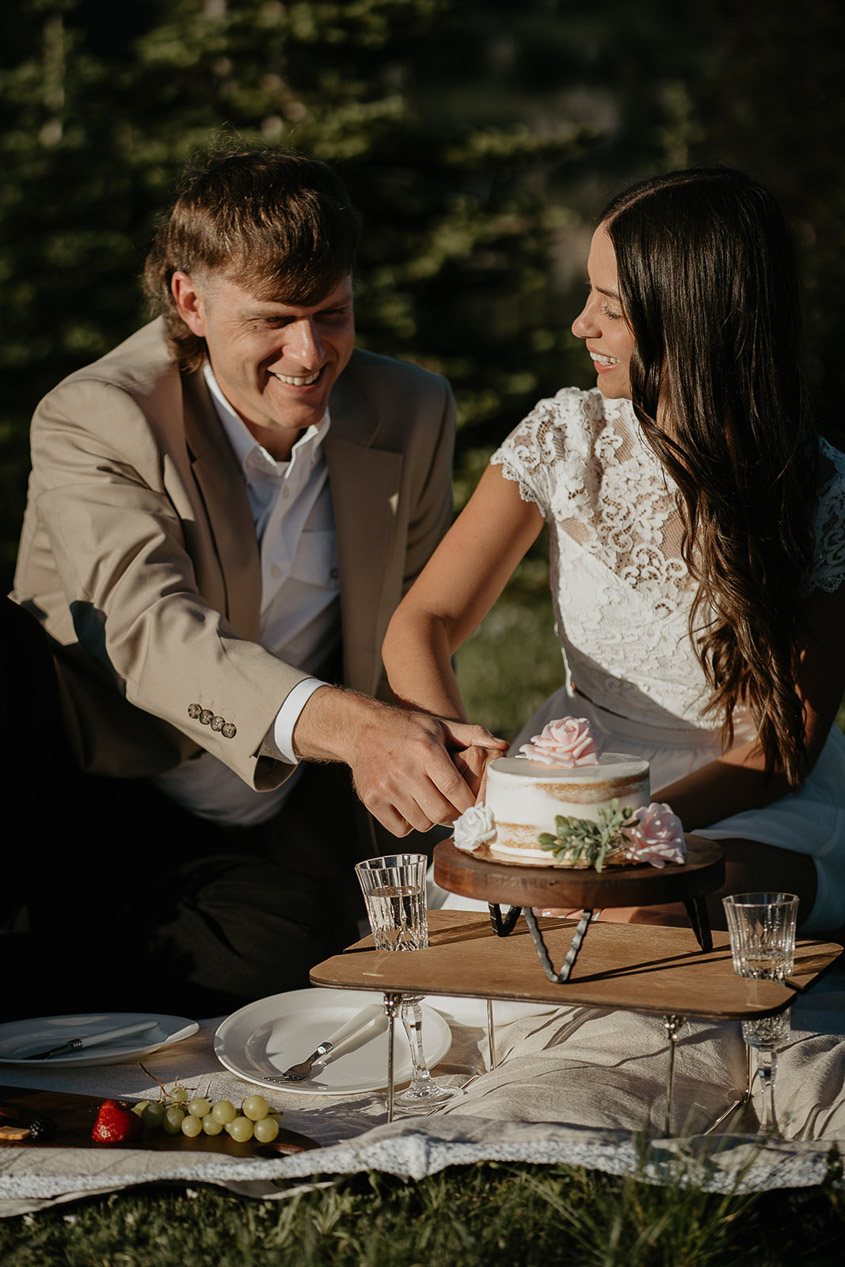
column 697, row 540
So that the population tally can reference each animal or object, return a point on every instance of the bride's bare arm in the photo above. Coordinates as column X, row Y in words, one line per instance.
column 460, row 584
column 736, row 782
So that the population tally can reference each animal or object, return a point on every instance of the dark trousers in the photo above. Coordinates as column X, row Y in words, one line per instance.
column 122, row 901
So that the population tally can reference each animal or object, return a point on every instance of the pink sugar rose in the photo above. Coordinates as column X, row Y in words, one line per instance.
column 657, row 836
column 568, row 742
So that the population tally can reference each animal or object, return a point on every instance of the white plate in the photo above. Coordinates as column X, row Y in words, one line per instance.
column 460, row 1010
column 265, row 1038
column 19, row 1037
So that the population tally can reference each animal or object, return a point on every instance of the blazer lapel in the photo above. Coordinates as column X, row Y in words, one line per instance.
column 227, row 509
column 365, row 483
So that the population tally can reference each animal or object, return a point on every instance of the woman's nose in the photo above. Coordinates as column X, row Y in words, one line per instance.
column 584, row 324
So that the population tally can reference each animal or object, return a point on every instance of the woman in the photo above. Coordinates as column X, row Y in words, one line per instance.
column 696, row 533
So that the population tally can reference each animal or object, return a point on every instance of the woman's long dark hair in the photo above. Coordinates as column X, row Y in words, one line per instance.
column 709, row 284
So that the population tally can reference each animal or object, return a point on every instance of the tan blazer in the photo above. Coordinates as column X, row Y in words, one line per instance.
column 139, row 554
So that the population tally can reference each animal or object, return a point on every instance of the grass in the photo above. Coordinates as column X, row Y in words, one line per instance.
column 480, row 1215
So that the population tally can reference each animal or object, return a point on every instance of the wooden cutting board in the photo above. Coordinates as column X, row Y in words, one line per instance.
column 75, row 1116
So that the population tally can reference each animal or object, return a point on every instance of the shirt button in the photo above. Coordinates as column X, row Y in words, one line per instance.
column 275, row 570
column 206, row 716
column 286, row 491
column 335, row 573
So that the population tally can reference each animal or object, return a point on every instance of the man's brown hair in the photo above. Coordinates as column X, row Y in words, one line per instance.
column 278, row 223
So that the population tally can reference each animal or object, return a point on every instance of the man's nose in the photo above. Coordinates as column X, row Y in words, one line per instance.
column 304, row 344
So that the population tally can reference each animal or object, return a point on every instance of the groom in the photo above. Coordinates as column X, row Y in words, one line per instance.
column 223, row 513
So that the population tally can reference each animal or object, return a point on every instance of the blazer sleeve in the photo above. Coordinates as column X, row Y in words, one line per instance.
column 122, row 518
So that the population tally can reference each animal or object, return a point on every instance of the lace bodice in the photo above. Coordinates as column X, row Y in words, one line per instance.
column 621, row 591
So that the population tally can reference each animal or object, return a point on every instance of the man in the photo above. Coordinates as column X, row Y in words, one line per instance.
column 223, row 513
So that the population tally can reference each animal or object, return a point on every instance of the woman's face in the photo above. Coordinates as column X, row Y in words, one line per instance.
column 602, row 323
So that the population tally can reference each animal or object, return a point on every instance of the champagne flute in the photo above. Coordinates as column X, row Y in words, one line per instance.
column 394, row 893
column 762, row 932
column 766, row 1036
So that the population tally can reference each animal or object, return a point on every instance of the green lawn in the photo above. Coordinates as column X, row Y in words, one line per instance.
column 480, row 1215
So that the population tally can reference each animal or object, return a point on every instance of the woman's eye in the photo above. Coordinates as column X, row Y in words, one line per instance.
column 608, row 312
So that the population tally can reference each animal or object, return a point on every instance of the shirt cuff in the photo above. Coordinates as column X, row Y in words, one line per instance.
column 278, row 742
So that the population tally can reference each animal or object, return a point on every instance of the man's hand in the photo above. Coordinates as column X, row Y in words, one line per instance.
column 411, row 770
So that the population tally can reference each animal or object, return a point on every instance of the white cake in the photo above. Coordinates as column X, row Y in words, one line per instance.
column 523, row 797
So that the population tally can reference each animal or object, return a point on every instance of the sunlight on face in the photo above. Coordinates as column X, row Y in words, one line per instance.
column 602, row 322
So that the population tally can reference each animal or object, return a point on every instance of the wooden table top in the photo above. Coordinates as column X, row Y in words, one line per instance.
column 639, row 967
column 511, row 883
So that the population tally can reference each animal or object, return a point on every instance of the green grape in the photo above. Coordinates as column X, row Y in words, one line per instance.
column 173, row 1117
column 224, row 1111
column 199, row 1107
column 191, row 1126
column 179, row 1094
column 138, row 1109
column 240, row 1129
column 266, row 1130
column 153, row 1116
column 255, row 1107
column 210, row 1125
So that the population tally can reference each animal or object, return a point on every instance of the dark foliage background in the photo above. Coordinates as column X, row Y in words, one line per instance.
column 479, row 139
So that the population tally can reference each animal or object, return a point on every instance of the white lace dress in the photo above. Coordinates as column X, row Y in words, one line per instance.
column 622, row 596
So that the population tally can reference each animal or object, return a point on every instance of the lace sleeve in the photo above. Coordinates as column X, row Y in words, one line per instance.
column 828, row 570
column 548, row 453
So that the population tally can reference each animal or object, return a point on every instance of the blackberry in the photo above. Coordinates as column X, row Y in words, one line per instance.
column 42, row 1129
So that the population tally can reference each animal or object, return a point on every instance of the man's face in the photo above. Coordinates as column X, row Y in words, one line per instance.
column 275, row 363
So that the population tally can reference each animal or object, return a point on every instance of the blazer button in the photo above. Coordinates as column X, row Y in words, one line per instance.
column 206, row 716
column 217, row 723
column 229, row 730
column 194, row 711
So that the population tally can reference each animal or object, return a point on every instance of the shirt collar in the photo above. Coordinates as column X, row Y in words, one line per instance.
column 244, row 443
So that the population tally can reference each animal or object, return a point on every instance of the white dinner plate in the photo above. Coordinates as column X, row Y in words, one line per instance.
column 460, row 1010
column 19, row 1037
column 265, row 1038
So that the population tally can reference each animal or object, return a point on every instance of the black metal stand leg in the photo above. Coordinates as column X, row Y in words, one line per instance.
column 700, row 921
column 572, row 952
column 502, row 925
column 671, row 1024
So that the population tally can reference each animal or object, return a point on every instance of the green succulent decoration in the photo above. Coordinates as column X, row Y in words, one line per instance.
column 578, row 842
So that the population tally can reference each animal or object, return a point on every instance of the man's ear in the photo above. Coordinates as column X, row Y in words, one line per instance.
column 189, row 303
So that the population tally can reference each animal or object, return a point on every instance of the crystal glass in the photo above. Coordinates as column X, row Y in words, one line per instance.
column 762, row 932
column 766, row 1036
column 394, row 894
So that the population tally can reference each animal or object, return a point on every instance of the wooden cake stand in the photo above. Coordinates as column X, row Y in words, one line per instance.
column 524, row 887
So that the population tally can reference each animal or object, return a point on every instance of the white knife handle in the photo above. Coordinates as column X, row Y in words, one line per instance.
column 106, row 1035
column 354, row 1026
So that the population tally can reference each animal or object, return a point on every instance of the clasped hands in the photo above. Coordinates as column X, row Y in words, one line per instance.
column 411, row 770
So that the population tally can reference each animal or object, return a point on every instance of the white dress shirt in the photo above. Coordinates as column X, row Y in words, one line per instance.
column 300, row 606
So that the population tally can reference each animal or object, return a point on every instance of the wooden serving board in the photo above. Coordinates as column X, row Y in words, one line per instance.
column 75, row 1116
column 512, row 882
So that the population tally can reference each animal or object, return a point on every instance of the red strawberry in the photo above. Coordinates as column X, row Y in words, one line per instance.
column 115, row 1124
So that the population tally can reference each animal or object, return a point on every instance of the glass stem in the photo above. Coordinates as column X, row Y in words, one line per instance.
column 412, row 1020
column 767, row 1069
